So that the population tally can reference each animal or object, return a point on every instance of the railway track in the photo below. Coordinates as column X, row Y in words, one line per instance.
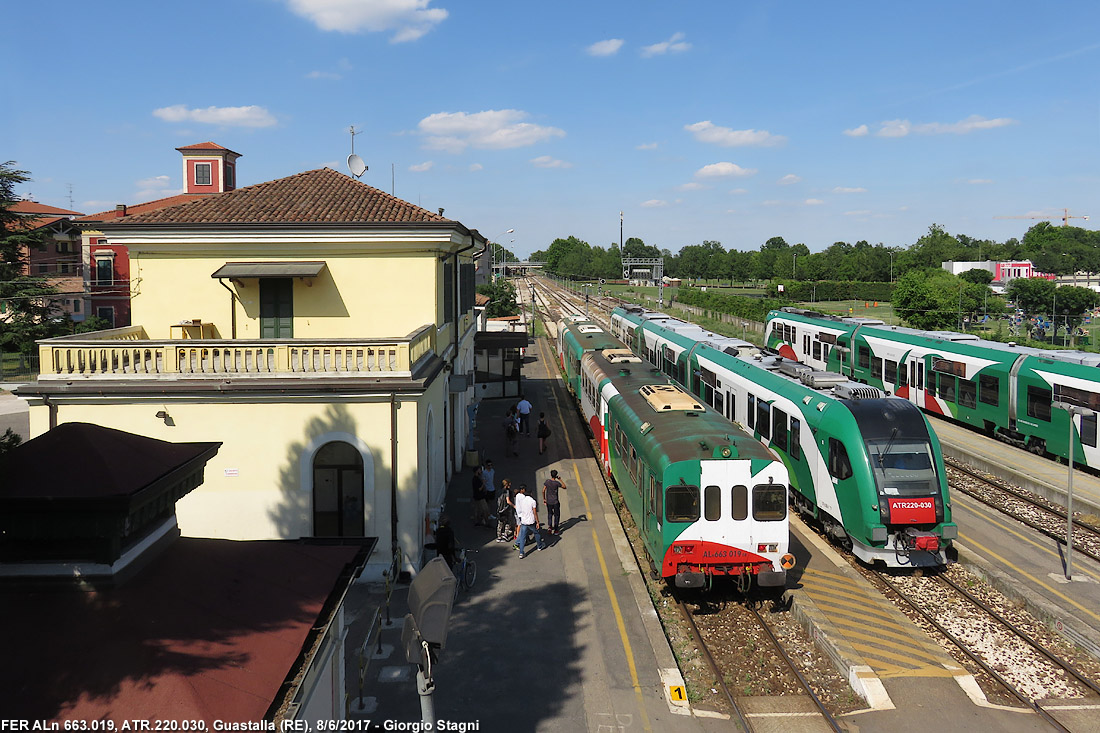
column 1006, row 650
column 800, row 700
column 1039, row 514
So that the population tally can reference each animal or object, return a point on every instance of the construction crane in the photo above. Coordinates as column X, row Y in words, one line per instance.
column 1065, row 217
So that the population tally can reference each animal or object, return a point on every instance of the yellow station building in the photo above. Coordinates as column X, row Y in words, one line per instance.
column 319, row 328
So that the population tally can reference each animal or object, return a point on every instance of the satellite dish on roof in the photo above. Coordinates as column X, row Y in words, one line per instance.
column 356, row 165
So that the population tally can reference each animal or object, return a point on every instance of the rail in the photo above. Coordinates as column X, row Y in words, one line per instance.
column 127, row 352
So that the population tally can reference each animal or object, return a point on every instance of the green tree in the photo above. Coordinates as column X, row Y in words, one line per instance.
column 976, row 276
column 502, row 299
column 1072, row 303
column 1035, row 296
column 936, row 299
column 27, row 312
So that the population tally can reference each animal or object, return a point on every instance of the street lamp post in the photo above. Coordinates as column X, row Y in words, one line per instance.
column 794, row 265
column 891, row 267
column 493, row 266
column 1083, row 412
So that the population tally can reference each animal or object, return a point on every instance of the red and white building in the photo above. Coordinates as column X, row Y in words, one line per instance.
column 208, row 168
column 58, row 259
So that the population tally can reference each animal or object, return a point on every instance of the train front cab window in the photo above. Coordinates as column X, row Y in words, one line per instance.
column 740, row 503
column 682, row 503
column 840, row 467
column 712, row 503
column 769, row 502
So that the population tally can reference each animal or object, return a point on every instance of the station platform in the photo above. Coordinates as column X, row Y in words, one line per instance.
column 563, row 639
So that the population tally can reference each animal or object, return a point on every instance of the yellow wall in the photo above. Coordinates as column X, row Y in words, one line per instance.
column 356, row 296
column 265, row 444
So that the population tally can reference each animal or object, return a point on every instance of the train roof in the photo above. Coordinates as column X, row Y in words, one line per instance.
column 872, row 326
column 672, row 422
column 729, row 344
column 591, row 336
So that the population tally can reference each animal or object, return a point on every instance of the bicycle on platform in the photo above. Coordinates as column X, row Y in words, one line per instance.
column 465, row 569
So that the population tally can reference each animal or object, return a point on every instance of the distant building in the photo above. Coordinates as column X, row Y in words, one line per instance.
column 1003, row 272
column 58, row 258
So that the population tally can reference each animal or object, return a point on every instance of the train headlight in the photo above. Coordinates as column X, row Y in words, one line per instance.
column 726, row 452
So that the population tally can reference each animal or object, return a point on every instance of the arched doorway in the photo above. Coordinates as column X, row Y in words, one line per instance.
column 337, row 491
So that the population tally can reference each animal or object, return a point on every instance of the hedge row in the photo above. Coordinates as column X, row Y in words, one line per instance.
column 754, row 309
column 832, row 290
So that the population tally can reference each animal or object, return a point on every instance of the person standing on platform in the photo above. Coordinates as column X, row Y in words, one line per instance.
column 511, row 432
column 481, row 509
column 542, row 432
column 524, row 407
column 489, row 476
column 506, row 512
column 527, row 516
column 445, row 540
column 550, row 489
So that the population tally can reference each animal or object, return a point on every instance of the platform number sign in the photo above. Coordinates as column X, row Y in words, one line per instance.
column 676, row 692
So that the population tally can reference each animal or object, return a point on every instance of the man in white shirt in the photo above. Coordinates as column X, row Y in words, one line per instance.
column 524, row 407
column 527, row 517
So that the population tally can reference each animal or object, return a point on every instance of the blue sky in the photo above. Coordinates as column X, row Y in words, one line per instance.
column 729, row 121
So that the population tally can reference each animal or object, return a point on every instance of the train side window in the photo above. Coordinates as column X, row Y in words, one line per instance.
column 1088, row 430
column 903, row 375
column 920, row 376
column 712, row 503
column 863, row 355
column 947, row 387
column 750, row 415
column 839, row 465
column 817, row 350
column 634, row 465
column 989, row 389
column 795, row 451
column 876, row 368
column 1038, row 403
column 719, row 407
column 891, row 373
column 825, row 351
column 763, row 417
column 682, row 503
column 779, row 429
column 740, row 502
column 932, row 384
column 968, row 393
column 805, row 343
column 769, row 502
column 731, row 405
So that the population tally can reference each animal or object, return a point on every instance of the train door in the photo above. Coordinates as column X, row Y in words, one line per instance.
column 916, row 379
column 715, row 479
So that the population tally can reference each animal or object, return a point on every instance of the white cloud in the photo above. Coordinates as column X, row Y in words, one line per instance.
column 693, row 186
column 716, row 170
column 894, row 128
column 814, row 202
column 654, row 204
column 646, row 146
column 675, row 44
column 408, row 19
column 250, row 116
column 901, row 128
column 979, row 181
column 739, row 191
column 545, row 161
column 857, row 131
column 488, row 130
column 846, row 189
column 421, row 167
column 474, row 167
column 610, row 47
column 708, row 132
column 155, row 187
column 789, row 179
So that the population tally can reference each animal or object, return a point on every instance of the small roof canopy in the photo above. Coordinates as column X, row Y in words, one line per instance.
column 238, row 270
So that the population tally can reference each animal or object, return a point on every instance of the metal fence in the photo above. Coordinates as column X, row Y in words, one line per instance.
column 18, row 367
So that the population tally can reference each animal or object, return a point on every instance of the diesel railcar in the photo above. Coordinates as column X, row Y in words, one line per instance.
column 708, row 500
column 1021, row 395
column 866, row 467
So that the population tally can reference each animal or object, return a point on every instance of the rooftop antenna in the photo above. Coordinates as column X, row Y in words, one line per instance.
column 70, row 195
column 355, row 163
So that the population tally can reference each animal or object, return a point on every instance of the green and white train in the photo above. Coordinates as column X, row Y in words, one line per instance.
column 708, row 500
column 1022, row 395
column 865, row 466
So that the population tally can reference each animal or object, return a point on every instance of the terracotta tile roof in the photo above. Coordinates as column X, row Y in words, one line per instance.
column 30, row 223
column 207, row 146
column 313, row 197
column 145, row 207
column 33, row 207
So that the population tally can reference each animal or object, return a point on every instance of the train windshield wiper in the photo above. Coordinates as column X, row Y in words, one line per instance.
column 882, row 454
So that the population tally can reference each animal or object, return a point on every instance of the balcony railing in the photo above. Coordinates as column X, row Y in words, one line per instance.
column 128, row 353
